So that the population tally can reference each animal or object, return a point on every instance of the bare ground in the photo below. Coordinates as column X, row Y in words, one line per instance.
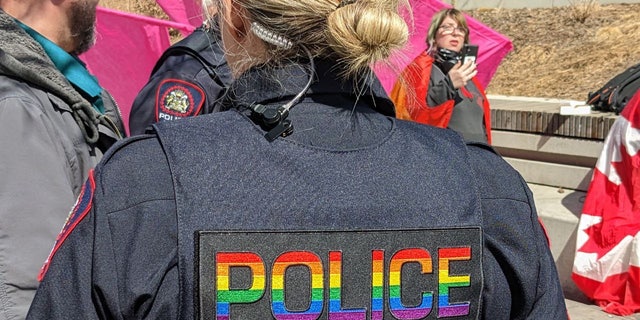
column 560, row 52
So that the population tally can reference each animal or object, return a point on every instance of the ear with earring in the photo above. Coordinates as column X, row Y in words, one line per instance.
column 235, row 19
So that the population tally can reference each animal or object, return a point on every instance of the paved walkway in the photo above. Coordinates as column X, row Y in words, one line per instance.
column 586, row 311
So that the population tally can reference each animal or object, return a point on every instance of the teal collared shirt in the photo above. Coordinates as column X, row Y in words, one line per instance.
column 72, row 68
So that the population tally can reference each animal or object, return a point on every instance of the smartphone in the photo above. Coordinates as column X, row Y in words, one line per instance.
column 469, row 53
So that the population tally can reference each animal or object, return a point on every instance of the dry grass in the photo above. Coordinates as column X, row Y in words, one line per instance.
column 560, row 52
column 145, row 7
column 556, row 55
column 581, row 10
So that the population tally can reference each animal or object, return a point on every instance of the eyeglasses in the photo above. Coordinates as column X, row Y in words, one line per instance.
column 449, row 29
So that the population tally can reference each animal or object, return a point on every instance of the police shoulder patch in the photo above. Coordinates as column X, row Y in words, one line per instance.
column 80, row 210
column 177, row 99
column 386, row 274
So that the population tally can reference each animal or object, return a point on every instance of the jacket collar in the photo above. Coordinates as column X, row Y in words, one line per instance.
column 268, row 86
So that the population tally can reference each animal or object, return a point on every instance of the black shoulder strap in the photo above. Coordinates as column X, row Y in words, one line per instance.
column 191, row 49
column 194, row 54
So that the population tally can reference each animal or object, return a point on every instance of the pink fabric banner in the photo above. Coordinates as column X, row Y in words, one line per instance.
column 185, row 12
column 127, row 47
column 493, row 46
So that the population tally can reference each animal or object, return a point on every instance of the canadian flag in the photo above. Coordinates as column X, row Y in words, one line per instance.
column 607, row 261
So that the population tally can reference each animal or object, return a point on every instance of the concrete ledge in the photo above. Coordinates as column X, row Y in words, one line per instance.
column 559, row 209
column 544, row 146
column 550, row 160
column 552, row 174
column 556, row 147
column 542, row 116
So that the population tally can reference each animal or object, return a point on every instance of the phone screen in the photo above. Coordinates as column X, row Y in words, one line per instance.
column 470, row 53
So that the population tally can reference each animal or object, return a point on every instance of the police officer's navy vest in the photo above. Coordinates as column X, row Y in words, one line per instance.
column 288, row 231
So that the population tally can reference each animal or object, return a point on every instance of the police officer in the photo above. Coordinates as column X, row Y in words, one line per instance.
column 306, row 199
column 187, row 80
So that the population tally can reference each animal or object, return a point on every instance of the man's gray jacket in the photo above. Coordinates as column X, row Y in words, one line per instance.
column 50, row 137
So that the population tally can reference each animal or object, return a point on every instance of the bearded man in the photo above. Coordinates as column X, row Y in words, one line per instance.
column 55, row 124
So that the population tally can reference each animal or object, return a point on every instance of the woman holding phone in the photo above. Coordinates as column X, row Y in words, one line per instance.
column 439, row 87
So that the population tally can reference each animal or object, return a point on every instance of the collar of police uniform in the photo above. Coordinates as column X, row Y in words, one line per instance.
column 267, row 86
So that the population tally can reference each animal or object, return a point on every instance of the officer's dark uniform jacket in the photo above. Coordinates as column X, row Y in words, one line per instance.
column 186, row 81
column 345, row 167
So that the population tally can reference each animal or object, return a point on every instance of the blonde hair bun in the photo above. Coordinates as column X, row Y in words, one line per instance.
column 365, row 32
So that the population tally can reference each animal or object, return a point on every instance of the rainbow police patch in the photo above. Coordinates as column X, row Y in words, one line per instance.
column 177, row 99
column 80, row 210
column 391, row 274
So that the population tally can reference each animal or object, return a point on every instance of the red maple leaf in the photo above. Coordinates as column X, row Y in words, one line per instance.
column 618, row 205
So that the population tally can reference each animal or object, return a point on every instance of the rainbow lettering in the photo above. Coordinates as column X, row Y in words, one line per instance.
column 447, row 281
column 413, row 274
column 294, row 258
column 401, row 257
column 377, row 284
column 225, row 296
column 335, row 293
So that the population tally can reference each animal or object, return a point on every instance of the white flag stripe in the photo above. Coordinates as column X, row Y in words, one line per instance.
column 616, row 261
column 586, row 221
column 611, row 151
column 631, row 138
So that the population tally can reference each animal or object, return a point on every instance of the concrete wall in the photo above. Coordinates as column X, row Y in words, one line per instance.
column 515, row 4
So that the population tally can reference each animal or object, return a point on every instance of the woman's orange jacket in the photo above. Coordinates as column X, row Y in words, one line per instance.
column 409, row 95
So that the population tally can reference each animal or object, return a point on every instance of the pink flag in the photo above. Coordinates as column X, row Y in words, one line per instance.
column 493, row 46
column 186, row 12
column 607, row 262
column 127, row 47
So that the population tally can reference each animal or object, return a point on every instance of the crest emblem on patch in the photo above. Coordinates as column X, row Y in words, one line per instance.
column 178, row 99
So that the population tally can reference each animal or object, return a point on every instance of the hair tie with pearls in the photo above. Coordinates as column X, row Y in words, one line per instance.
column 270, row 36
